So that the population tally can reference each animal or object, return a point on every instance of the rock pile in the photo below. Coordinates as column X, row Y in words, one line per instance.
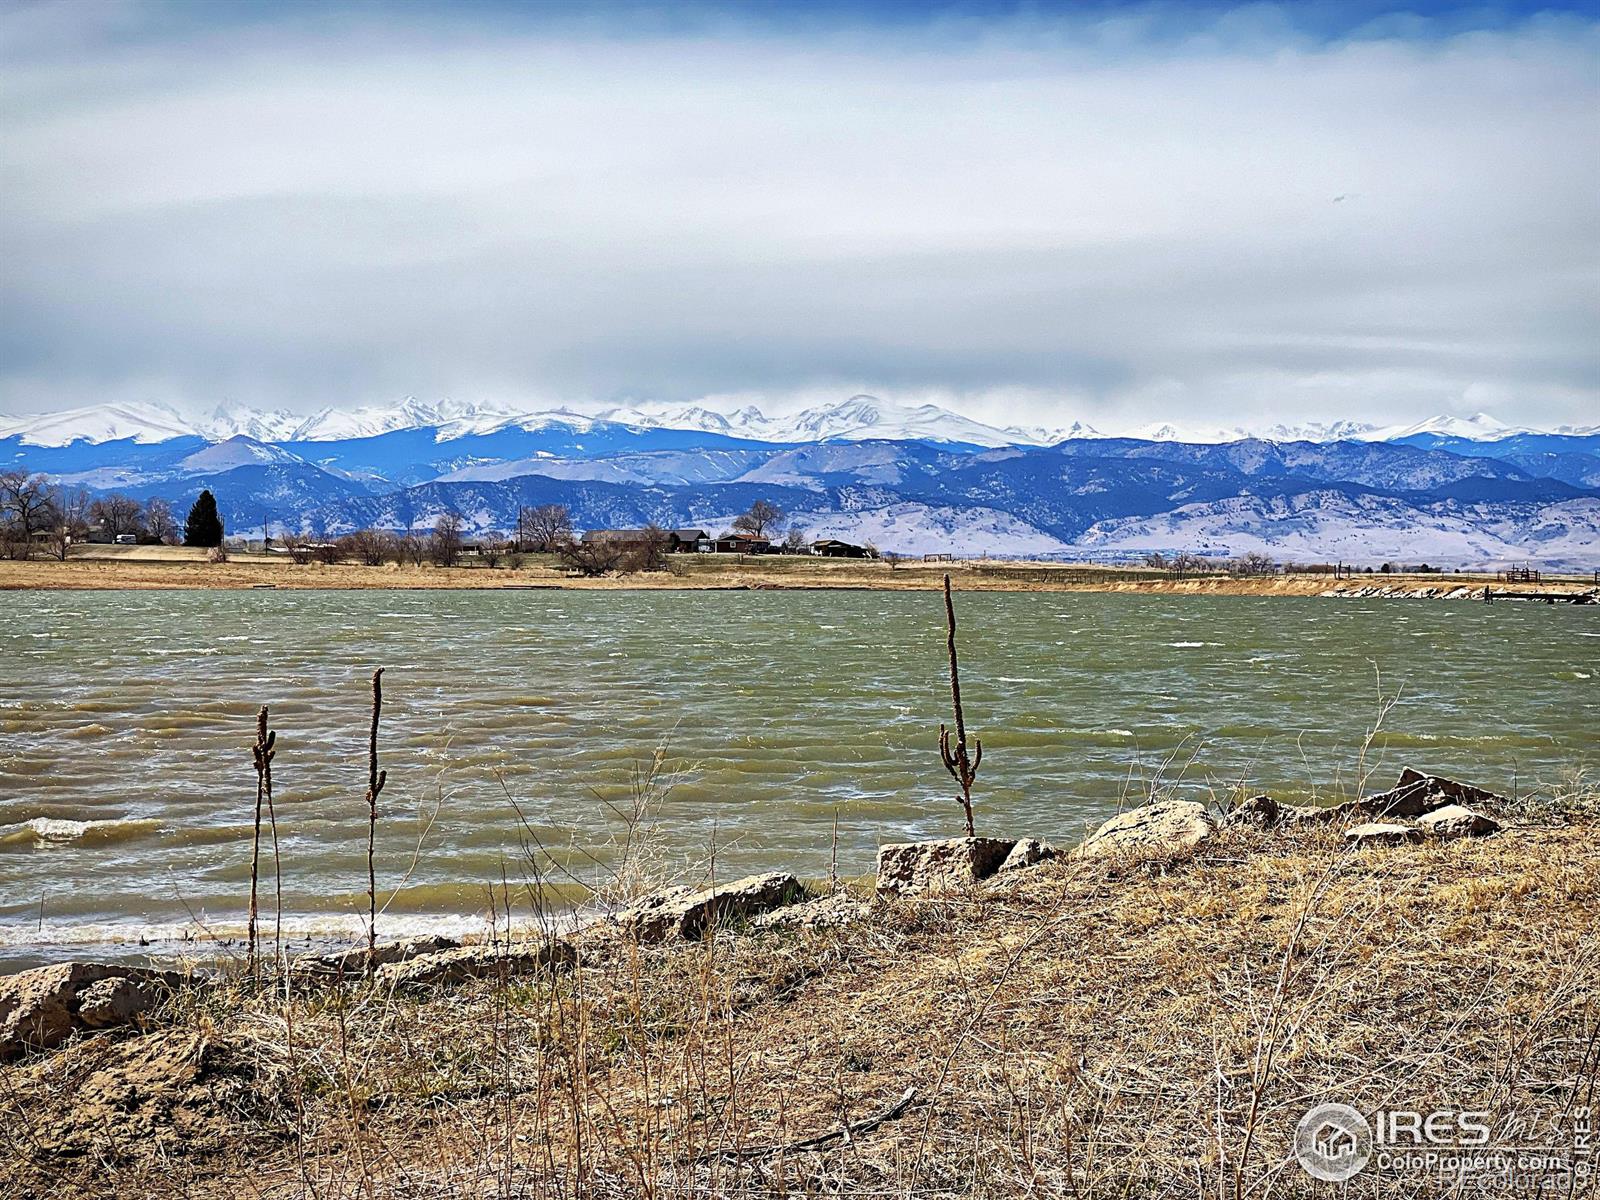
column 41, row 1008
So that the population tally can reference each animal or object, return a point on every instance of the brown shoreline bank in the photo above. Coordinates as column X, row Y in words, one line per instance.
column 1087, row 1025
column 141, row 568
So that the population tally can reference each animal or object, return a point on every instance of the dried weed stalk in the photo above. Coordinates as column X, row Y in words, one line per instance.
column 962, row 769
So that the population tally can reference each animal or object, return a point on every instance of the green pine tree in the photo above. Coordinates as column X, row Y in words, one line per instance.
column 204, row 526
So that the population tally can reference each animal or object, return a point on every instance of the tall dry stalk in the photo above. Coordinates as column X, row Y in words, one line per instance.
column 375, row 781
column 262, row 752
column 962, row 769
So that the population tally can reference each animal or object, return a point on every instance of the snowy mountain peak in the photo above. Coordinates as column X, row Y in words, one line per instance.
column 144, row 423
column 1480, row 427
column 858, row 418
column 236, row 451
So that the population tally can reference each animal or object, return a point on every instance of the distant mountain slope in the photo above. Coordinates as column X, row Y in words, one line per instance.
column 1331, row 526
column 914, row 479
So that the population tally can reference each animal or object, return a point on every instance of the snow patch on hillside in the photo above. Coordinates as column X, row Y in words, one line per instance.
column 1330, row 526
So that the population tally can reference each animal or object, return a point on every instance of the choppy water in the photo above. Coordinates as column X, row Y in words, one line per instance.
column 126, row 788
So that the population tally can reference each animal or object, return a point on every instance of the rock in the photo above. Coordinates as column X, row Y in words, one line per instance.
column 1456, row 821
column 1259, row 812
column 172, row 1092
column 1291, row 813
column 825, row 912
column 41, row 1008
column 683, row 912
column 116, row 1001
column 1027, row 853
column 1165, row 828
column 353, row 963
column 905, row 868
column 1381, row 834
column 477, row 962
column 1416, row 794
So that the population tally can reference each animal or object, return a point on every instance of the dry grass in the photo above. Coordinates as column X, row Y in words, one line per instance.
column 174, row 567
column 1085, row 1029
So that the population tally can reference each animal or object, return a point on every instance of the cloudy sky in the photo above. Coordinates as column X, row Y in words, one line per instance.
column 1036, row 212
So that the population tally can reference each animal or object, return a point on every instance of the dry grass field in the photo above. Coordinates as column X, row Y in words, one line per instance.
column 1085, row 1029
column 176, row 567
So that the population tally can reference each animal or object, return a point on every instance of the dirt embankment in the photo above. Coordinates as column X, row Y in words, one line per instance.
column 162, row 567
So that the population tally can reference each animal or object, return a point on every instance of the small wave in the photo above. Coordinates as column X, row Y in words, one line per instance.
column 1191, row 645
column 61, row 831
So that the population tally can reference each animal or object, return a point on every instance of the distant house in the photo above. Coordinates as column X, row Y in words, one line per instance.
column 834, row 548
column 741, row 543
column 688, row 541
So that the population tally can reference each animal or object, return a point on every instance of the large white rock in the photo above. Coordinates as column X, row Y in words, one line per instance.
column 1381, row 833
column 476, row 962
column 684, row 912
column 1165, row 828
column 906, row 868
column 1456, row 821
column 1028, row 852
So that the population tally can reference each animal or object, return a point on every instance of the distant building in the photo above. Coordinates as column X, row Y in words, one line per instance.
column 834, row 548
column 741, row 543
column 688, row 541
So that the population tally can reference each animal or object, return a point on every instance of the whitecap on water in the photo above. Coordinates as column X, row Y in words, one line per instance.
column 62, row 831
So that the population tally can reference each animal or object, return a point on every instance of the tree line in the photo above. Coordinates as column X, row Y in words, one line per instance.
column 539, row 529
column 38, row 515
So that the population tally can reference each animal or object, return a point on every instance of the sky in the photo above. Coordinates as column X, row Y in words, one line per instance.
column 1031, row 213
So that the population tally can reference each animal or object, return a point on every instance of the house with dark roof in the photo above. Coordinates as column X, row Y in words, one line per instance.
column 834, row 548
column 741, row 543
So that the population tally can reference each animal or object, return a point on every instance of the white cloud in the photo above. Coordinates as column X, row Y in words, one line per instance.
column 1044, row 222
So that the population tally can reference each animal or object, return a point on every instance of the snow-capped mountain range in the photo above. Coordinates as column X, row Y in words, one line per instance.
column 917, row 479
column 858, row 418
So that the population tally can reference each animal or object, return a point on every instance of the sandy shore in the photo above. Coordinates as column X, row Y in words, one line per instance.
column 174, row 567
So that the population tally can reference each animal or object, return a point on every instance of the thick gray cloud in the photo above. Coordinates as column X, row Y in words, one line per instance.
column 1037, row 223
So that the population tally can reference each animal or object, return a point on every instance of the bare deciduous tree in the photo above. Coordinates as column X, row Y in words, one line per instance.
column 117, row 514
column 591, row 556
column 27, row 506
column 369, row 547
column 648, row 552
column 543, row 530
column 758, row 518
column 444, row 547
column 1252, row 564
column 492, row 548
column 159, row 521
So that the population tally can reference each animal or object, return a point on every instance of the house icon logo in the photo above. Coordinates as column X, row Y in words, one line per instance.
column 1333, row 1142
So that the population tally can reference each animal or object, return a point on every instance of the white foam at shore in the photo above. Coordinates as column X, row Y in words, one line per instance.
column 172, row 935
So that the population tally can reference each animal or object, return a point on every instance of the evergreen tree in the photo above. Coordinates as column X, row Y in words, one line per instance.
column 204, row 526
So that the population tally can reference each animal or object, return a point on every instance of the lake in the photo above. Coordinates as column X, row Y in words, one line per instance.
column 126, row 786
